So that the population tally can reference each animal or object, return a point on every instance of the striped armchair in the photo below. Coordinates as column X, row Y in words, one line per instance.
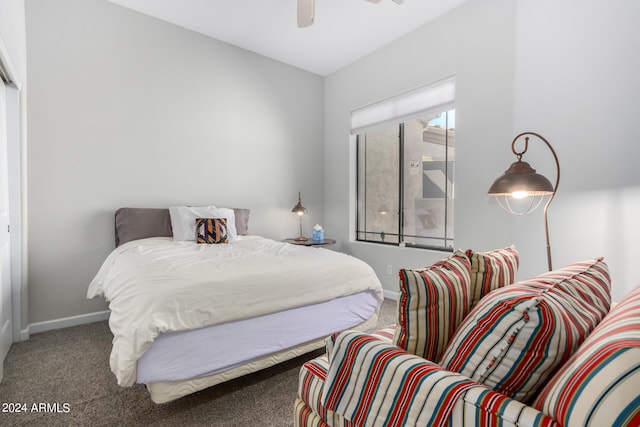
column 542, row 352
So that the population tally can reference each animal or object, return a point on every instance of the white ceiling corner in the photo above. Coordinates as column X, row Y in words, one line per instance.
column 344, row 30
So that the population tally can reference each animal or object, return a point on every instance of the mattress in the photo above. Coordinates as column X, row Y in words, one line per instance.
column 214, row 349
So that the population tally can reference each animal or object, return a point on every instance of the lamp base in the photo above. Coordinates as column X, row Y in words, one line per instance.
column 301, row 239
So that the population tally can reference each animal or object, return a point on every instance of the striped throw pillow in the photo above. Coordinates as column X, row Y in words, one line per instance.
column 600, row 385
column 491, row 270
column 518, row 335
column 433, row 302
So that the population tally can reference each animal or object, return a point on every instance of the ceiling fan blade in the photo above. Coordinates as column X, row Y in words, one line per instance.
column 306, row 12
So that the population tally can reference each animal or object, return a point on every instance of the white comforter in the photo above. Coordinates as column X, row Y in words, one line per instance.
column 158, row 285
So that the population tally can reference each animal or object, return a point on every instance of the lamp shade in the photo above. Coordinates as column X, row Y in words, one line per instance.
column 298, row 208
column 521, row 179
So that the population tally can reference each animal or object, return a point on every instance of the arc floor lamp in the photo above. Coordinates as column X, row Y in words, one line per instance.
column 521, row 181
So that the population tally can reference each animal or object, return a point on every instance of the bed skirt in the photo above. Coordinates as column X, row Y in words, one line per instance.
column 163, row 392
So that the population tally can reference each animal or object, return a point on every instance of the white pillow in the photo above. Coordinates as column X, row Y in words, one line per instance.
column 183, row 220
column 230, row 215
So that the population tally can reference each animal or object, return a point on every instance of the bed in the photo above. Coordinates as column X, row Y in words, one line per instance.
column 186, row 315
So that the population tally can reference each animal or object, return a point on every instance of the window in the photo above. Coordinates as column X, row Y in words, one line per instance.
column 405, row 179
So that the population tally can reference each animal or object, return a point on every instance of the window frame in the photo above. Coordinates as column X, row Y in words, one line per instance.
column 401, row 236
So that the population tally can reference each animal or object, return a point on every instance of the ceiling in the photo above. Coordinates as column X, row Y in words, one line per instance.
column 344, row 30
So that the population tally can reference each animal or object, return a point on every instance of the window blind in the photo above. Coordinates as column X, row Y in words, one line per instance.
column 438, row 96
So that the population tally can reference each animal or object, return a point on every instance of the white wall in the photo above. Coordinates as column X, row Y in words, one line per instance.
column 474, row 42
column 12, row 31
column 567, row 70
column 577, row 84
column 127, row 110
column 121, row 104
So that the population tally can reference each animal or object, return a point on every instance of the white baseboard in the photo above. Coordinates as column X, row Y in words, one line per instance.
column 390, row 295
column 65, row 322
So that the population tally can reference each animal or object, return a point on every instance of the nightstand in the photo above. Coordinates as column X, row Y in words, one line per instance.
column 311, row 242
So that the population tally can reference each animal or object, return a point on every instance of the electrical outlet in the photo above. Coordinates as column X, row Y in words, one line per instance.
column 389, row 269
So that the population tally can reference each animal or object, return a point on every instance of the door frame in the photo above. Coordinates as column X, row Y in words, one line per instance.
column 15, row 150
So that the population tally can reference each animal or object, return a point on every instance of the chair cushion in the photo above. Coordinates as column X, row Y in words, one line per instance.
column 305, row 416
column 432, row 303
column 518, row 335
column 311, row 382
column 600, row 384
column 373, row 383
column 491, row 270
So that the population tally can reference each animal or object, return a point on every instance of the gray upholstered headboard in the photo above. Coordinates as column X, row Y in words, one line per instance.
column 140, row 223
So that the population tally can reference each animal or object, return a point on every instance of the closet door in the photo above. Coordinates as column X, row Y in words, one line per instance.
column 6, row 326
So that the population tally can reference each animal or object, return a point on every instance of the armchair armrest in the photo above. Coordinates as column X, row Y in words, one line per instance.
column 372, row 382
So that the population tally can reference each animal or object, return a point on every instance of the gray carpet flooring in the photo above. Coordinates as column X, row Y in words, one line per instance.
column 67, row 370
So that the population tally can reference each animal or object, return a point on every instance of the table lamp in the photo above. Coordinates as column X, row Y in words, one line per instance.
column 300, row 210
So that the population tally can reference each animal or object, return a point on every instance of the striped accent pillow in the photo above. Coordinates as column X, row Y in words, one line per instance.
column 432, row 303
column 518, row 335
column 600, row 385
column 491, row 270
column 211, row 230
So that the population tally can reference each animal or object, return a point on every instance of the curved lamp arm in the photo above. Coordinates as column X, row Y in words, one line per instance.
column 555, row 187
